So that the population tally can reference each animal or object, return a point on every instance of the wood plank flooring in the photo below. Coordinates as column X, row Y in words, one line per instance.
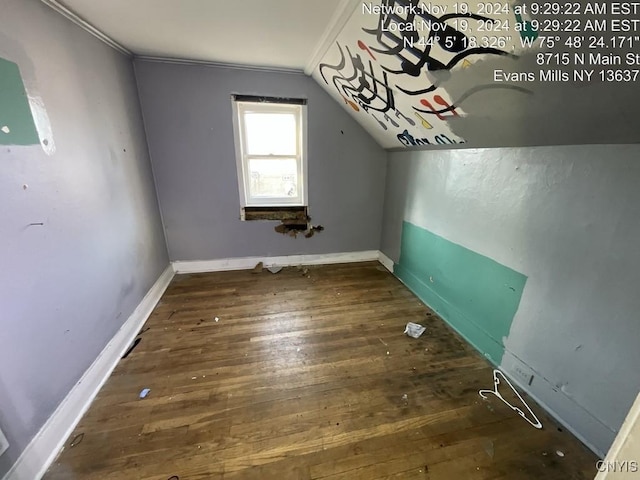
column 306, row 374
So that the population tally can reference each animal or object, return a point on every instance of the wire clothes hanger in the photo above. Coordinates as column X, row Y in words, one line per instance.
column 496, row 383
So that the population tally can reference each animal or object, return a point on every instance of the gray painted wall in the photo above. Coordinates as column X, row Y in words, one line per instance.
column 67, row 286
column 554, row 113
column 567, row 217
column 187, row 112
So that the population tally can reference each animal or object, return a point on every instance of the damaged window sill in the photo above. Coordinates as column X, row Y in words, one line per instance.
column 298, row 214
column 294, row 220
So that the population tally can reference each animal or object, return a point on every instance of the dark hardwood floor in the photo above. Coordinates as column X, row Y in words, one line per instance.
column 306, row 374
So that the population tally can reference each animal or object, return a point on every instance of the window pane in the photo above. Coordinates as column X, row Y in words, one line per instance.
column 270, row 133
column 273, row 178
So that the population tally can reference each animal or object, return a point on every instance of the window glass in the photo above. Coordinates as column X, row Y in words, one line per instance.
column 273, row 177
column 271, row 152
column 270, row 133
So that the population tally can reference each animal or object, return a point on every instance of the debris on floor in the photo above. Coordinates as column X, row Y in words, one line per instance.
column 498, row 378
column 414, row 329
column 560, row 453
column 257, row 268
column 274, row 269
column 135, row 344
column 144, row 392
column 489, row 448
column 76, row 440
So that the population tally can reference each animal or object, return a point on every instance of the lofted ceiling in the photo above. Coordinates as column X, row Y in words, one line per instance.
column 473, row 78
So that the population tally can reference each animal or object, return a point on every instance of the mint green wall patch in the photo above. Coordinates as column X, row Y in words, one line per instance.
column 476, row 295
column 16, row 122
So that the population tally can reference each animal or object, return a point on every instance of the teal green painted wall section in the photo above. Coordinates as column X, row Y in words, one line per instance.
column 15, row 114
column 476, row 295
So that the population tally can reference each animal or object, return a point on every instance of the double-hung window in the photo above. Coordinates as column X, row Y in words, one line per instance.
column 270, row 138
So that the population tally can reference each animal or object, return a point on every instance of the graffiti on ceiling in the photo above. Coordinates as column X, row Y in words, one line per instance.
column 390, row 63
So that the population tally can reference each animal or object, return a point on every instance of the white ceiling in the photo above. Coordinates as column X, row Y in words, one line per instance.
column 273, row 33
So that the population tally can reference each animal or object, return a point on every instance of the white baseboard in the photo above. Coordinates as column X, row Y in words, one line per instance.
column 385, row 261
column 246, row 263
column 44, row 447
column 623, row 448
column 576, row 419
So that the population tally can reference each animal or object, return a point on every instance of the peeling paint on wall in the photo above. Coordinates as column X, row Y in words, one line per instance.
column 16, row 122
column 23, row 116
column 43, row 125
column 390, row 64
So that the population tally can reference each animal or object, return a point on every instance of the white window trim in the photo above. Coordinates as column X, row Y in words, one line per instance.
column 239, row 107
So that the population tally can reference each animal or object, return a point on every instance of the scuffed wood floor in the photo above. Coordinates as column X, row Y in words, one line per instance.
column 307, row 375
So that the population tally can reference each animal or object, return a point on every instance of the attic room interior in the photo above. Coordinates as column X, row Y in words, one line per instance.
column 304, row 239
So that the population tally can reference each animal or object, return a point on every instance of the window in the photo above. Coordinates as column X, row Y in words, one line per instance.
column 270, row 138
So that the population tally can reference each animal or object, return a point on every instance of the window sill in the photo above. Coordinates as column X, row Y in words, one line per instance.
column 290, row 215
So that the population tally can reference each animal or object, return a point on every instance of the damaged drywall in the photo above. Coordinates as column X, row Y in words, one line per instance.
column 16, row 122
column 346, row 169
column 294, row 228
column 81, row 230
column 22, row 108
column 294, row 220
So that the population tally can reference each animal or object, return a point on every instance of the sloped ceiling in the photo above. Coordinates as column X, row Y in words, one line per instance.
column 421, row 74
column 415, row 74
